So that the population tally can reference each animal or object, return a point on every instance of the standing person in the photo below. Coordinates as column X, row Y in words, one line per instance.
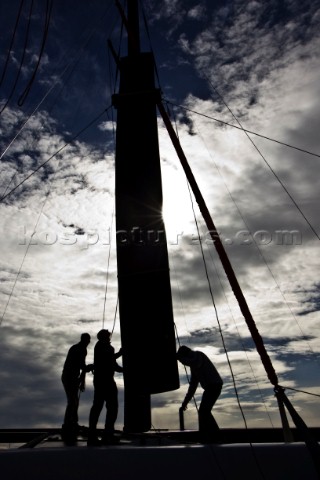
column 73, row 379
column 204, row 372
column 105, row 388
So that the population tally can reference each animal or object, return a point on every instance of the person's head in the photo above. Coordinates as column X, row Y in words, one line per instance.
column 185, row 355
column 104, row 335
column 85, row 339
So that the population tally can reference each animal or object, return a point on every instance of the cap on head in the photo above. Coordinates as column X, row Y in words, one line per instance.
column 103, row 335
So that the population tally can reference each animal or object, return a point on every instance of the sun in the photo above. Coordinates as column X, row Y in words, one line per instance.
column 177, row 209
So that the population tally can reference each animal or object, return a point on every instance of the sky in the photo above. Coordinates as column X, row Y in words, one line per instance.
column 254, row 64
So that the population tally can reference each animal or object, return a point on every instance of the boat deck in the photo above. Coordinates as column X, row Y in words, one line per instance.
column 157, row 455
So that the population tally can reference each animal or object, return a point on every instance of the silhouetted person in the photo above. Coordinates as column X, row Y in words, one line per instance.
column 204, row 372
column 105, row 388
column 73, row 379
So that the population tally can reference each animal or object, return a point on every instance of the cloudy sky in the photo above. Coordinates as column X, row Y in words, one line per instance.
column 253, row 64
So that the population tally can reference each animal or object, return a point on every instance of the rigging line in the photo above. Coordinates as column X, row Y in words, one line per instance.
column 216, row 312
column 238, row 332
column 185, row 368
column 265, row 359
column 150, row 42
column 214, row 305
column 29, row 117
column 180, row 298
column 241, row 128
column 18, row 133
column 240, row 337
column 222, row 288
column 21, row 61
column 107, row 276
column 26, row 253
column 217, row 461
column 300, row 391
column 178, row 337
column 119, row 53
column 211, row 293
column 27, row 120
column 11, row 42
column 116, row 54
column 27, row 89
column 23, row 260
column 56, row 153
column 278, row 178
column 271, row 169
column 179, row 343
column 52, row 87
column 221, row 285
column 111, row 79
column 256, row 244
column 223, row 341
column 115, row 315
column 75, row 58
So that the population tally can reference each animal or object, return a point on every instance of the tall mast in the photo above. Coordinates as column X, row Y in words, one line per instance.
column 145, row 303
column 133, row 27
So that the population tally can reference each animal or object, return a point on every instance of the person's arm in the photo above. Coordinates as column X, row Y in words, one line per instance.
column 191, row 391
column 83, row 367
column 117, row 367
column 117, row 355
column 82, row 381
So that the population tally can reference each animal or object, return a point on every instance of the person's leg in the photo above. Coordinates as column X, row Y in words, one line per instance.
column 112, row 411
column 70, row 426
column 98, row 401
column 72, row 393
column 208, row 427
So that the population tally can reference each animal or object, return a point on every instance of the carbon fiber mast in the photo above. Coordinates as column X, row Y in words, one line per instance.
column 145, row 303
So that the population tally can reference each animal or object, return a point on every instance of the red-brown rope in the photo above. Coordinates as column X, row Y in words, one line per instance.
column 220, row 250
